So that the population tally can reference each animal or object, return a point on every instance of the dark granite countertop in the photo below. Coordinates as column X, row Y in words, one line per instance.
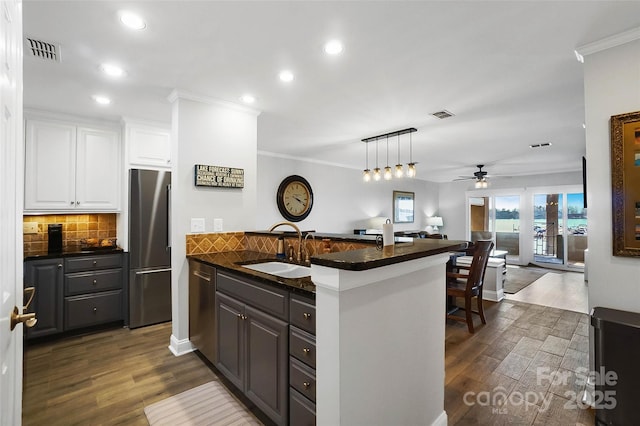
column 71, row 251
column 233, row 260
column 370, row 239
column 369, row 258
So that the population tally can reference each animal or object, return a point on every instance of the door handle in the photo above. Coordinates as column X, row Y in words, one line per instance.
column 29, row 320
column 31, row 291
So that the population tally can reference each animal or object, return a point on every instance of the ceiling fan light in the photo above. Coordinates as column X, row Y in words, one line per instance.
column 387, row 173
column 366, row 175
column 411, row 170
column 399, row 171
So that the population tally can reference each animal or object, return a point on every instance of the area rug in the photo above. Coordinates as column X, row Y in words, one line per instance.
column 520, row 277
column 208, row 404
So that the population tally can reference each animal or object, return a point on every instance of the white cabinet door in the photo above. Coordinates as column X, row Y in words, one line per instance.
column 98, row 170
column 149, row 146
column 50, row 166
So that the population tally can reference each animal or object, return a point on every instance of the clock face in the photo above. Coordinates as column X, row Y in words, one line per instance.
column 294, row 198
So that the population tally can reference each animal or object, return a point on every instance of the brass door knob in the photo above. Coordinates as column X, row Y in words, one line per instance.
column 29, row 320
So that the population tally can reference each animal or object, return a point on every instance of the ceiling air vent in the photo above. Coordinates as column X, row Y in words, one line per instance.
column 443, row 114
column 42, row 49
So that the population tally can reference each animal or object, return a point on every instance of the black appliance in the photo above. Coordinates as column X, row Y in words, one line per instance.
column 55, row 238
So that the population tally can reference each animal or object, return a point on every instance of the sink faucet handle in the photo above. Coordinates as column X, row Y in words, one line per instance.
column 290, row 249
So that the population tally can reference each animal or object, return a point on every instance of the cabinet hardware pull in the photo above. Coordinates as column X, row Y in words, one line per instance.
column 78, row 202
column 95, row 309
column 202, row 275
column 59, row 265
column 306, row 351
column 72, row 203
column 307, row 315
column 306, row 385
column 239, row 316
column 95, row 282
column 95, row 262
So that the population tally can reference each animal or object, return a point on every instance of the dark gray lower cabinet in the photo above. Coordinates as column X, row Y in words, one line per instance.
column 302, row 362
column 47, row 277
column 253, row 347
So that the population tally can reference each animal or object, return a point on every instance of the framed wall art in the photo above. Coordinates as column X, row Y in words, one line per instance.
column 625, row 181
column 403, row 207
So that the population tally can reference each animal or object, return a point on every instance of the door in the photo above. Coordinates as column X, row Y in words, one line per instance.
column 97, row 169
column 149, row 244
column 50, row 169
column 11, row 199
column 230, row 326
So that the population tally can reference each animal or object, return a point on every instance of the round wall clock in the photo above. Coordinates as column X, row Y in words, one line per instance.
column 294, row 198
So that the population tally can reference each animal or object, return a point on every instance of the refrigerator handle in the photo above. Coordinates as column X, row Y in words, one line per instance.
column 168, row 217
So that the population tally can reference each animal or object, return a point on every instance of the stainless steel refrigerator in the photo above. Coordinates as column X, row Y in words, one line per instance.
column 149, row 247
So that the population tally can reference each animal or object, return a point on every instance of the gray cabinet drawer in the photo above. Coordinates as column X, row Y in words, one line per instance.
column 267, row 298
column 90, row 263
column 91, row 282
column 302, row 412
column 83, row 311
column 302, row 378
column 302, row 345
column 302, row 313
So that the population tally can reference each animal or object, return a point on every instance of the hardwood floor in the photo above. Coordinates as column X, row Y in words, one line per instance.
column 107, row 378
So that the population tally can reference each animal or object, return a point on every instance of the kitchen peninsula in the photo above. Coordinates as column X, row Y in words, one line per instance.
column 378, row 349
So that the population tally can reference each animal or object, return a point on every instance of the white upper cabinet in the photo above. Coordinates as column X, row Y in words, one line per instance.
column 148, row 145
column 71, row 168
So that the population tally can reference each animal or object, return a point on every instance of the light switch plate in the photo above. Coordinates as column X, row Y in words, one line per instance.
column 197, row 224
column 217, row 225
column 30, row 228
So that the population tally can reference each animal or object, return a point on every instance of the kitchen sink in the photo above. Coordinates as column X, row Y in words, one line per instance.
column 280, row 269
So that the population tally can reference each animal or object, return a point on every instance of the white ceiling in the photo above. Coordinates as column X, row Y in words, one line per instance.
column 506, row 69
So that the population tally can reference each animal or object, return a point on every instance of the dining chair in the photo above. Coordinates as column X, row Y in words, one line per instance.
column 468, row 284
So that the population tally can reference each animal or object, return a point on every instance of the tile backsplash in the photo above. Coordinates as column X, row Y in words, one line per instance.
column 75, row 227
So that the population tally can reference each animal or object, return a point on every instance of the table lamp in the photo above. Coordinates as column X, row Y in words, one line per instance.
column 434, row 222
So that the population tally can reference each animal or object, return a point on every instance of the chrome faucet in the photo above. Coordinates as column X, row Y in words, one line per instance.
column 274, row 226
column 306, row 250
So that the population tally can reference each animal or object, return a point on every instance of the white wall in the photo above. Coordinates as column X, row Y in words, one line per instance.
column 342, row 201
column 212, row 133
column 612, row 86
column 452, row 198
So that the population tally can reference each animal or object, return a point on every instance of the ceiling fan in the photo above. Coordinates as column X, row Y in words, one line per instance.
column 480, row 177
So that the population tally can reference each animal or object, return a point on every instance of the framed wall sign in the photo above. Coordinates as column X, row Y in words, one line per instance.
column 403, row 207
column 217, row 176
column 625, row 182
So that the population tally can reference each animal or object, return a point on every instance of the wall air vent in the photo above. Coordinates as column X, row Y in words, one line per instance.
column 442, row 114
column 540, row 145
column 42, row 49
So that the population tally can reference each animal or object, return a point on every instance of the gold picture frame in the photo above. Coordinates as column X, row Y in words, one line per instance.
column 625, row 183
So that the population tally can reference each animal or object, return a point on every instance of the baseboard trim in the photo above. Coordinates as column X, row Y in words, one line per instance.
column 441, row 420
column 180, row 347
column 494, row 296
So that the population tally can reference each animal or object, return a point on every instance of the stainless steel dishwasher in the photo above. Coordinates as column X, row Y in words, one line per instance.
column 202, row 305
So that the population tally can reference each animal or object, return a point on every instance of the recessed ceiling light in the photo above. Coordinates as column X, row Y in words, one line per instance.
column 102, row 100
column 133, row 21
column 286, row 76
column 112, row 70
column 333, row 47
column 248, row 99
column 579, row 57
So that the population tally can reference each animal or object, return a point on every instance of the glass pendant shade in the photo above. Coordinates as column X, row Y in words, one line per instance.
column 411, row 170
column 399, row 171
column 387, row 173
column 366, row 175
column 376, row 173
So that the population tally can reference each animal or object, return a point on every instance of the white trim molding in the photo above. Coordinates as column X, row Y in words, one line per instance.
column 609, row 42
column 183, row 94
column 180, row 347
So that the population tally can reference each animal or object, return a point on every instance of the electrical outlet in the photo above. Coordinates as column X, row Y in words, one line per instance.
column 197, row 225
column 217, row 225
column 30, row 228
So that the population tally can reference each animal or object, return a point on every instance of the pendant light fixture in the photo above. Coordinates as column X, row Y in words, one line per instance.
column 366, row 174
column 399, row 169
column 389, row 172
column 376, row 171
column 387, row 169
column 411, row 166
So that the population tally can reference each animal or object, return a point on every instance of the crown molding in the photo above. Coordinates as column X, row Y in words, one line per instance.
column 609, row 42
column 183, row 94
